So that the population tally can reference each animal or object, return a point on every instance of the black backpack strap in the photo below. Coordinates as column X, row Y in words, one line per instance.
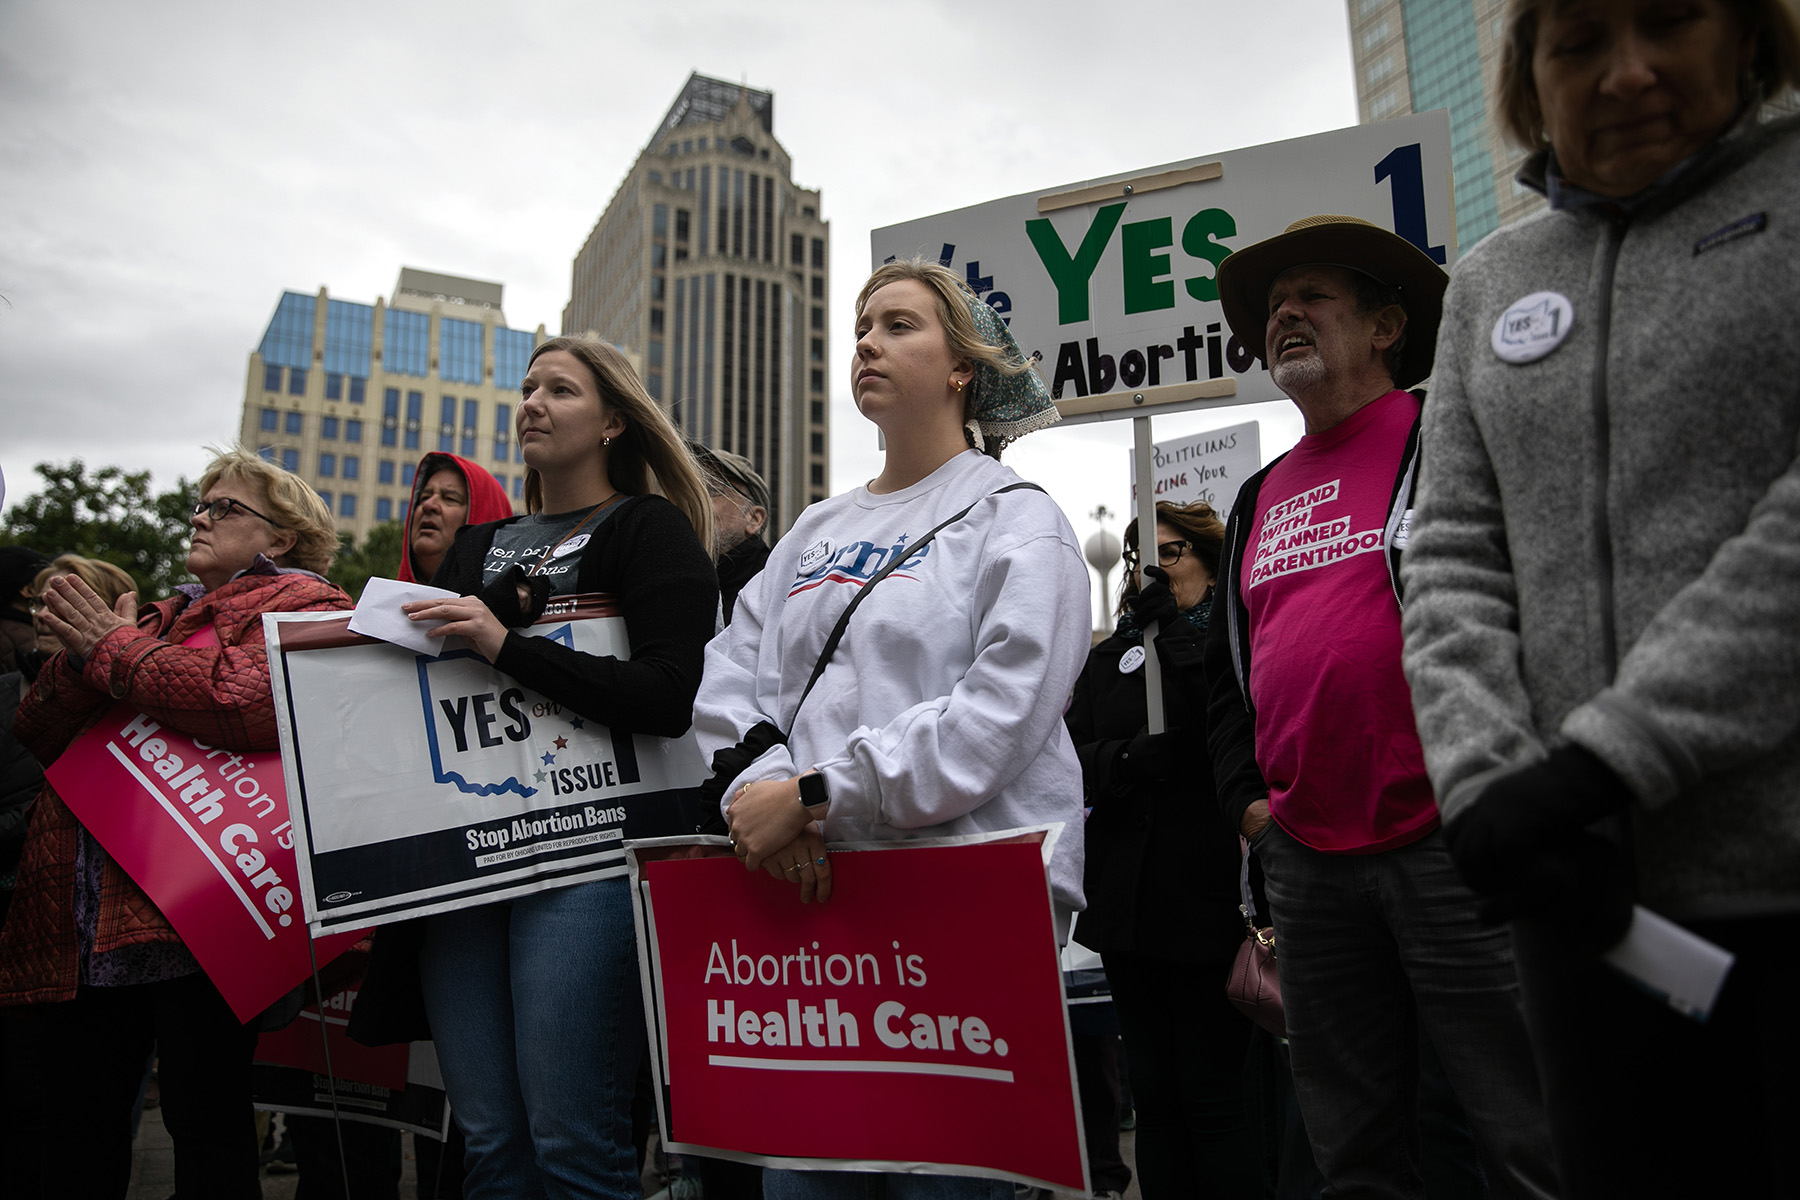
column 837, row 633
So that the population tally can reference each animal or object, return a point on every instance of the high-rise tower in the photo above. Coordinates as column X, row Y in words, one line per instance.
column 710, row 264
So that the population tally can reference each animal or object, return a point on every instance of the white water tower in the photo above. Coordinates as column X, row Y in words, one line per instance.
column 1103, row 551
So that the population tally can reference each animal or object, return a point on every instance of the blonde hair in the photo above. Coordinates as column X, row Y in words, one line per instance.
column 290, row 504
column 1774, row 60
column 108, row 580
column 953, row 300
column 649, row 457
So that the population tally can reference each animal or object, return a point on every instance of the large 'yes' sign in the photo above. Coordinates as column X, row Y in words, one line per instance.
column 1113, row 283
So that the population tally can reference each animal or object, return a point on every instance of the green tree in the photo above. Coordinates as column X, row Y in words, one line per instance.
column 379, row 555
column 111, row 515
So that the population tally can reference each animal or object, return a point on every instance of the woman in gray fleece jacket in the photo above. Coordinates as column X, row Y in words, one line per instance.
column 1603, row 578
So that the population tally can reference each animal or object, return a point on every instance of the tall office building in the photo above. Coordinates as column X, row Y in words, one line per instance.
column 1417, row 55
column 344, row 394
column 711, row 263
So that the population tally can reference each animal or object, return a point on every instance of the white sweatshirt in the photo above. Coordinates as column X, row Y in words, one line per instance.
column 941, row 713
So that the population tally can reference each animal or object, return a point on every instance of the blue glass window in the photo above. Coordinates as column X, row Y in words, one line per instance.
column 293, row 422
column 502, row 430
column 271, row 420
column 385, row 472
column 358, row 388
column 518, row 486
column 296, row 381
column 407, row 342
column 384, row 509
column 267, row 453
column 271, row 378
column 501, row 480
column 459, row 350
column 288, row 340
column 326, row 497
column 390, row 416
column 347, row 504
column 290, row 459
column 328, row 427
column 406, row 474
column 471, row 416
column 415, row 416
column 353, row 430
column 334, row 386
column 512, row 351
column 352, row 467
column 327, row 465
column 349, row 335
column 446, row 423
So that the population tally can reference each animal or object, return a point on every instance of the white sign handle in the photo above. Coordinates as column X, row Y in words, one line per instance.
column 1146, row 525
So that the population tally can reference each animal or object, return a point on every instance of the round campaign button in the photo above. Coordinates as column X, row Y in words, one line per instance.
column 571, row 546
column 815, row 554
column 1131, row 660
column 1533, row 327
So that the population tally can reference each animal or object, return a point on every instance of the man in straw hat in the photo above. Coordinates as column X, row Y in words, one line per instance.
column 1312, row 736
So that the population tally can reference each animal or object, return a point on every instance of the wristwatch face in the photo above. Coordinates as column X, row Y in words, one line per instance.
column 813, row 791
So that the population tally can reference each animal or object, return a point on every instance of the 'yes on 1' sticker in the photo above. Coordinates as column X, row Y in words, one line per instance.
column 1533, row 327
column 1131, row 660
column 571, row 546
column 815, row 554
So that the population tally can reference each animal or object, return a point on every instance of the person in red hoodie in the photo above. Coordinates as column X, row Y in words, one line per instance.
column 448, row 493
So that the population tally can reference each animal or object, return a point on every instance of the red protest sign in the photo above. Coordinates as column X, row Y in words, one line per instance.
column 205, row 833
column 917, row 1018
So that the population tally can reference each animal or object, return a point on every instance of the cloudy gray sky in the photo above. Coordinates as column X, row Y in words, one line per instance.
column 166, row 170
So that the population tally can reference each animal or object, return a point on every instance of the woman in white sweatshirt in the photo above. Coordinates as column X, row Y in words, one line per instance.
column 940, row 712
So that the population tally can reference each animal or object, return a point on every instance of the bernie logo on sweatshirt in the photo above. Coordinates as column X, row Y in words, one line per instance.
column 856, row 564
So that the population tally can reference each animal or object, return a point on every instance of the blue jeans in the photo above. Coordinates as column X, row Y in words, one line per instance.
column 1372, row 946
column 856, row 1185
column 539, row 1023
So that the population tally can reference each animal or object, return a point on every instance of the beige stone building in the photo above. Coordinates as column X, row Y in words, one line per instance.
column 711, row 264
column 350, row 396
column 1417, row 55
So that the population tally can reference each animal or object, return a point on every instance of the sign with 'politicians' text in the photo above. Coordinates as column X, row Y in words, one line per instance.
column 424, row 784
column 882, row 1030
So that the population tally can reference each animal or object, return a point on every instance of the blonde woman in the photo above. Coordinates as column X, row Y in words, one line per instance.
column 941, row 711
column 534, row 1003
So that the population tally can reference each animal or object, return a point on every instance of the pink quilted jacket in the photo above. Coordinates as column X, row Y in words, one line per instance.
column 219, row 693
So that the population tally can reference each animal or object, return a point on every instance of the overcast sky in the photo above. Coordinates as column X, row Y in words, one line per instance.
column 166, row 170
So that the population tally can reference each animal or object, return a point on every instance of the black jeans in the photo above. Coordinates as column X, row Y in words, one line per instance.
column 1645, row 1102
column 96, row 1045
column 1186, row 1048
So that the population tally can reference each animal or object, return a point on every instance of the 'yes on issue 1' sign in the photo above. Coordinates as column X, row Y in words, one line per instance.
column 1120, row 291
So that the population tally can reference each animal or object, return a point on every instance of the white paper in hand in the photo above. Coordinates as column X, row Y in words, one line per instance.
column 1682, row 969
column 378, row 615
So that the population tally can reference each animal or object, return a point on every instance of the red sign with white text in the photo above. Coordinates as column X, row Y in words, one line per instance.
column 205, row 833
column 916, row 1018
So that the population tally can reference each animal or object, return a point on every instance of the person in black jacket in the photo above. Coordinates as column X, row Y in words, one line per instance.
column 1162, row 871
column 534, row 1002
column 740, row 505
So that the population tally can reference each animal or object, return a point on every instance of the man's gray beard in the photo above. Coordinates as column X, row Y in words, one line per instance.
column 1299, row 374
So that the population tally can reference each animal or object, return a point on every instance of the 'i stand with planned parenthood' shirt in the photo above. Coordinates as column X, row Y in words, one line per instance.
column 1334, row 723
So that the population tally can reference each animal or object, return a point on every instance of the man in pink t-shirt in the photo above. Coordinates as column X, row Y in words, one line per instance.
column 1311, row 730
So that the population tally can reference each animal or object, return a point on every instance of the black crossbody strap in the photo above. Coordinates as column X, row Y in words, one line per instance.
column 837, row 633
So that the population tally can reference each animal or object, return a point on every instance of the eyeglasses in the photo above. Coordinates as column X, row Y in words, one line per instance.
column 1167, row 553
column 218, row 510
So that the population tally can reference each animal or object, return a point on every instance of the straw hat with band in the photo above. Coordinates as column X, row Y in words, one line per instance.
column 1246, row 276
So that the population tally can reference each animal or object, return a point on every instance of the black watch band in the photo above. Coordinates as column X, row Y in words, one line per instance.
column 813, row 791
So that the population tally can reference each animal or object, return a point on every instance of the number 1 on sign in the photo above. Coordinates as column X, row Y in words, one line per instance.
column 1406, row 183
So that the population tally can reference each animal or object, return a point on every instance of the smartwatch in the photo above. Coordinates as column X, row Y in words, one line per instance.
column 814, row 793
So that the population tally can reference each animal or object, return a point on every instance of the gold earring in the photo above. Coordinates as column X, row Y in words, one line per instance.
column 958, row 383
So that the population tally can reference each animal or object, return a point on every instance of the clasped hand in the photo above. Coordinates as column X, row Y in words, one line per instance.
column 771, row 829
column 79, row 618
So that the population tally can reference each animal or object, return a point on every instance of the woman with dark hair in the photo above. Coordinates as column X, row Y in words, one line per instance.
column 97, row 972
column 1162, row 869
column 989, row 619
column 534, row 1002
column 1603, row 584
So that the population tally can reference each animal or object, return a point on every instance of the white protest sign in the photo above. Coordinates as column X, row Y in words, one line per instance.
column 1111, row 283
column 1208, row 466
column 420, row 784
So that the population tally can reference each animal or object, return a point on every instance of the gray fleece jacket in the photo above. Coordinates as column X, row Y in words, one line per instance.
column 1606, row 544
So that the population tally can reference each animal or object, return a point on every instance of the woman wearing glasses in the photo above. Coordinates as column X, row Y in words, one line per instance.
column 1162, row 870
column 101, row 975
